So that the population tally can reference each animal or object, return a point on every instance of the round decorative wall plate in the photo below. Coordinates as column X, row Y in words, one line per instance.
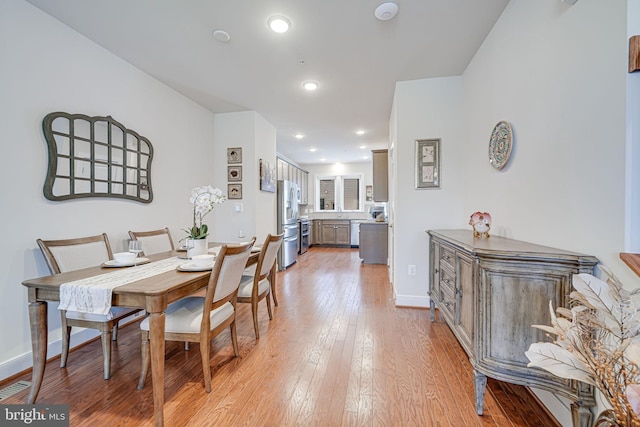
column 500, row 145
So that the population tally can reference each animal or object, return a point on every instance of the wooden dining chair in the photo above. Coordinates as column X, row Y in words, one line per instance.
column 74, row 254
column 200, row 319
column 255, row 288
column 153, row 241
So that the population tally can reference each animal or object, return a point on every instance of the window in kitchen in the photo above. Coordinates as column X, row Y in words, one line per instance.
column 339, row 193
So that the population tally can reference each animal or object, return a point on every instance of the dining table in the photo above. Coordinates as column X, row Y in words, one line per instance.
column 153, row 294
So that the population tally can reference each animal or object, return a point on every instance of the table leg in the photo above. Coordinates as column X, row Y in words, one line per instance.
column 38, row 322
column 156, row 331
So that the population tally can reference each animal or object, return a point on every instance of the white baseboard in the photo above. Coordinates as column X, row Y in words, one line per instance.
column 78, row 336
column 559, row 406
column 412, row 301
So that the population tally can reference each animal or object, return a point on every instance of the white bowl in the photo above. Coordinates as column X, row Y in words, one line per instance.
column 124, row 257
column 203, row 260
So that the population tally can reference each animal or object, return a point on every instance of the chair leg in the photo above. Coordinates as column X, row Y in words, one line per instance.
column 206, row 369
column 272, row 285
column 106, row 353
column 187, row 346
column 146, row 359
column 66, row 337
column 234, row 338
column 269, row 308
column 254, row 311
column 115, row 332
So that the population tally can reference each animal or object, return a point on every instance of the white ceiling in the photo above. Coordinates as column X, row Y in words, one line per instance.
column 356, row 58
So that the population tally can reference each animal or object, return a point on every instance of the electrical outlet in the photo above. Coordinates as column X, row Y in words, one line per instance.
column 412, row 270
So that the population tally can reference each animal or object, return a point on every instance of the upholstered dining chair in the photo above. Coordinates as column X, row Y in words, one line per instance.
column 153, row 241
column 255, row 288
column 200, row 319
column 74, row 254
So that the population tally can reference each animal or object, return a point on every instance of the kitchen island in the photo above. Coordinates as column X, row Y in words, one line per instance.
column 374, row 238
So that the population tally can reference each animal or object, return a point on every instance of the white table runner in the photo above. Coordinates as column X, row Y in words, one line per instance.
column 92, row 295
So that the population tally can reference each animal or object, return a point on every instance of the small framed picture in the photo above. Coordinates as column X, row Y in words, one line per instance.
column 428, row 163
column 234, row 173
column 234, row 191
column 234, row 155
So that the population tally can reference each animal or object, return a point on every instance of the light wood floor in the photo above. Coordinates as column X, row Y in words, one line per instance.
column 337, row 353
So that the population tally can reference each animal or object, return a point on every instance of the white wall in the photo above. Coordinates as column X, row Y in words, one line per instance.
column 257, row 138
column 48, row 67
column 425, row 109
column 563, row 91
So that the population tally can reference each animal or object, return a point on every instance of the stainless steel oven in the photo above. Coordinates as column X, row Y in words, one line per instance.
column 303, row 236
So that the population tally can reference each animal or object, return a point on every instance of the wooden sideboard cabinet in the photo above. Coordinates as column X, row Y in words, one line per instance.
column 490, row 292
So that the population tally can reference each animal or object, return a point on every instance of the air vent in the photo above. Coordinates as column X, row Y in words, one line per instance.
column 14, row 388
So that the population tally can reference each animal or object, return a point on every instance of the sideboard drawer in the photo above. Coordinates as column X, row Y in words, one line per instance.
column 447, row 257
column 447, row 302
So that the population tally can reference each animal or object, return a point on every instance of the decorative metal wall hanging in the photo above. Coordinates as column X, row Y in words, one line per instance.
column 500, row 145
column 95, row 157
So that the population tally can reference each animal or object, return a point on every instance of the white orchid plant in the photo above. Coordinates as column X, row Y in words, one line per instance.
column 597, row 341
column 204, row 200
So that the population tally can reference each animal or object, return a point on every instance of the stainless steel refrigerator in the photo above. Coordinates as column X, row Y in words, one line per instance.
column 288, row 222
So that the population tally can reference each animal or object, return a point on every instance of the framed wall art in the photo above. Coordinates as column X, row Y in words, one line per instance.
column 428, row 163
column 267, row 176
column 234, row 191
column 234, row 173
column 234, row 155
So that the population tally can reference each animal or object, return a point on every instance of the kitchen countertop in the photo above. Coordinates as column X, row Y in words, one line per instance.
column 360, row 220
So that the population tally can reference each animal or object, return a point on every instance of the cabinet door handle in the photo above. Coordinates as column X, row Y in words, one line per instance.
column 435, row 270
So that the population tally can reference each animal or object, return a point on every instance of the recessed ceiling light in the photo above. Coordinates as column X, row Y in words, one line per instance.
column 365, row 157
column 310, row 85
column 313, row 149
column 299, row 135
column 360, row 132
column 363, row 146
column 323, row 159
column 386, row 11
column 221, row 36
column 279, row 23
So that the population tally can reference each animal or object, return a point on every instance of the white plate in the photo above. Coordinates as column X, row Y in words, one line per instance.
column 191, row 266
column 114, row 263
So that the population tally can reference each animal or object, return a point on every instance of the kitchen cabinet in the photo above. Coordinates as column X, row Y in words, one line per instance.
column 290, row 172
column 490, row 291
column 374, row 242
column 333, row 232
column 304, row 188
column 315, row 232
column 380, row 175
